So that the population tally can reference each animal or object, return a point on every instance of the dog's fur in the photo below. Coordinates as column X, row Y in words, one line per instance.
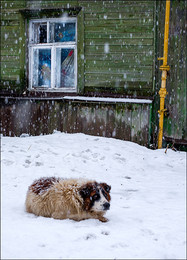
column 75, row 199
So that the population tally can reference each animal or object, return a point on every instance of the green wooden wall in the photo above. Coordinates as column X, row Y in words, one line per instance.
column 12, row 45
column 118, row 45
column 175, row 120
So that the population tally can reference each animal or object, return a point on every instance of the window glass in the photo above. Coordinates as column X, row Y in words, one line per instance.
column 65, row 77
column 40, row 32
column 42, row 68
column 53, row 54
column 62, row 32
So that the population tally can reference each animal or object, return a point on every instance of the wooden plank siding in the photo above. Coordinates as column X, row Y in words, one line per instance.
column 113, row 33
column 175, row 102
column 175, row 123
column 126, row 121
column 126, row 27
column 12, row 45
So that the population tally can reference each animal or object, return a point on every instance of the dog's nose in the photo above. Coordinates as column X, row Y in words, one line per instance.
column 106, row 206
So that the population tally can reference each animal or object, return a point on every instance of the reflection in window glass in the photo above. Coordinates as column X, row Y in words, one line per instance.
column 62, row 32
column 65, row 77
column 42, row 68
column 40, row 32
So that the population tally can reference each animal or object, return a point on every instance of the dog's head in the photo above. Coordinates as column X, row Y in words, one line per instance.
column 96, row 196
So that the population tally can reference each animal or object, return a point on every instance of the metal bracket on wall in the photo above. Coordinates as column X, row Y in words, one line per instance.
column 166, row 112
column 165, row 67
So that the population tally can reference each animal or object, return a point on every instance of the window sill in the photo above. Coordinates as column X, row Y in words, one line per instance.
column 72, row 97
column 107, row 100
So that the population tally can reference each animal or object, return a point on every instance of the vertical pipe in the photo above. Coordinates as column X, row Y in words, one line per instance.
column 166, row 32
column 164, row 69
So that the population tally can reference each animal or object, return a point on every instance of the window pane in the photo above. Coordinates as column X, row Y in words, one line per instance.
column 65, row 77
column 62, row 32
column 40, row 33
column 42, row 68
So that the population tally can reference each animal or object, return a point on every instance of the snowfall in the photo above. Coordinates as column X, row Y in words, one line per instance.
column 147, row 218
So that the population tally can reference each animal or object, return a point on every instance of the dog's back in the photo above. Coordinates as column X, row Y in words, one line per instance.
column 49, row 195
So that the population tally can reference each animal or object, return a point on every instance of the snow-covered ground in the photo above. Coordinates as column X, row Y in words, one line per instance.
column 147, row 215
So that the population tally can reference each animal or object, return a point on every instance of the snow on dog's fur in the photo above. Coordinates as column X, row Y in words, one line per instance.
column 75, row 199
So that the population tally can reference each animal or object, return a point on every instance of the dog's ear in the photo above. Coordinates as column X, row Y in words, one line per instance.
column 85, row 191
column 106, row 187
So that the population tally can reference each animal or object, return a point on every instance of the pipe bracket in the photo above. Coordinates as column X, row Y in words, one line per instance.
column 162, row 111
column 165, row 67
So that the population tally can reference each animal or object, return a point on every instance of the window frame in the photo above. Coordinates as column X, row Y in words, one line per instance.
column 53, row 46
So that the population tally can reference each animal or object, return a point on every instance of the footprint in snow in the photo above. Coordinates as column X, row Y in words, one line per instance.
column 147, row 232
column 119, row 245
column 120, row 159
column 7, row 162
column 106, row 233
column 87, row 151
column 90, row 236
column 127, row 177
column 42, row 245
column 27, row 163
column 38, row 163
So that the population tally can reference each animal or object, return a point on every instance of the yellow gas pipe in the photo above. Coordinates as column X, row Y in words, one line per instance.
column 164, row 69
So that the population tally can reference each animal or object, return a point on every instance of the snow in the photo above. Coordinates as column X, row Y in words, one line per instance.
column 106, row 47
column 147, row 215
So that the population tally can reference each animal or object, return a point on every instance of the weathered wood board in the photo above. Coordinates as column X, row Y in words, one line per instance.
column 175, row 102
column 126, row 121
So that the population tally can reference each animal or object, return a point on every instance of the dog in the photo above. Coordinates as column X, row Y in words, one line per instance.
column 75, row 199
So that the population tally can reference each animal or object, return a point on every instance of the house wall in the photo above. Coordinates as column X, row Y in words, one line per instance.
column 118, row 45
column 121, row 43
column 115, row 57
column 12, row 46
column 175, row 102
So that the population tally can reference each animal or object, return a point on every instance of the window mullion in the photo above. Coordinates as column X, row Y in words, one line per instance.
column 53, row 64
column 31, row 67
column 48, row 32
column 75, row 65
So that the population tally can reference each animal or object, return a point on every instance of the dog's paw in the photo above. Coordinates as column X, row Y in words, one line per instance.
column 103, row 219
column 57, row 215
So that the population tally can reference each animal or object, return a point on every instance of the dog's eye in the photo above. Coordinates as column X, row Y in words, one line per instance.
column 107, row 188
column 96, row 197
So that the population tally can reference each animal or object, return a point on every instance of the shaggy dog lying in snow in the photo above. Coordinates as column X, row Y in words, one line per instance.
column 75, row 199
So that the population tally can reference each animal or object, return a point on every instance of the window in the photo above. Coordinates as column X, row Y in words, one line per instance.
column 53, row 54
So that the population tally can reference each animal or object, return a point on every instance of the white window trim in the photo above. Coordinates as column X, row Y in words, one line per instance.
column 53, row 46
